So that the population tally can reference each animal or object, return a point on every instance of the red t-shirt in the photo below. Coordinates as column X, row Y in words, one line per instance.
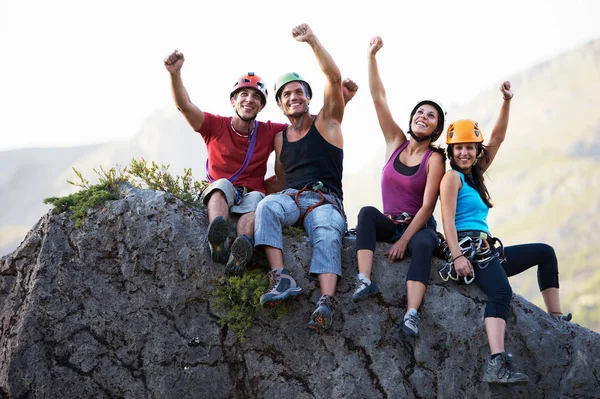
column 227, row 151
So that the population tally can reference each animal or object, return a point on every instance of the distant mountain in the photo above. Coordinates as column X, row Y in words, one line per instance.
column 545, row 182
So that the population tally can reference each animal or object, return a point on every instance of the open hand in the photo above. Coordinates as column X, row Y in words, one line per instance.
column 397, row 251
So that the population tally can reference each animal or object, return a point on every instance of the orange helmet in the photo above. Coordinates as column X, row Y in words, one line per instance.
column 253, row 81
column 464, row 131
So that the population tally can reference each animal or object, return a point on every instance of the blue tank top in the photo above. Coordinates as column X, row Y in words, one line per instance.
column 471, row 211
column 312, row 159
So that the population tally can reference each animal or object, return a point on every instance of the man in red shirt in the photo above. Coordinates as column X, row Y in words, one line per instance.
column 238, row 149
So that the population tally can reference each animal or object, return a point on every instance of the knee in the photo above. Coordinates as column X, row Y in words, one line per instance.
column 548, row 252
column 215, row 196
column 502, row 294
column 367, row 213
column 266, row 207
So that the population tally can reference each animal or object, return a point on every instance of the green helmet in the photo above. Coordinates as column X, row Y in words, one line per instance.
column 287, row 78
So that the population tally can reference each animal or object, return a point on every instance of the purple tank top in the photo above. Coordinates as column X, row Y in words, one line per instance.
column 403, row 193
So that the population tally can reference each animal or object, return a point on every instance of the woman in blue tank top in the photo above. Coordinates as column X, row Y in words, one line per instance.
column 465, row 204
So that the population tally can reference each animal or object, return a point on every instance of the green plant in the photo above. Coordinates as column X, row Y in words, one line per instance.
column 293, row 231
column 239, row 299
column 158, row 178
column 139, row 174
column 91, row 195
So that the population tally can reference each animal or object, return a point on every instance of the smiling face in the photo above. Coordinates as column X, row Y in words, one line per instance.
column 464, row 156
column 247, row 102
column 425, row 120
column 293, row 100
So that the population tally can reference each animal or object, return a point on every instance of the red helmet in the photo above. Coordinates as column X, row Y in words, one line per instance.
column 253, row 81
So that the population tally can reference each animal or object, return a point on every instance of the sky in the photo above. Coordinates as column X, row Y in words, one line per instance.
column 79, row 72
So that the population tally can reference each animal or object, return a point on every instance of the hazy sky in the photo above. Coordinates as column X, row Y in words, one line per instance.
column 76, row 72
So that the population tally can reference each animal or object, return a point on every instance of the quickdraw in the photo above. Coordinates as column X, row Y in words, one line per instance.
column 479, row 249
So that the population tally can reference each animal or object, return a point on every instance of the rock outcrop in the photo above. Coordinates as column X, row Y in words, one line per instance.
column 122, row 307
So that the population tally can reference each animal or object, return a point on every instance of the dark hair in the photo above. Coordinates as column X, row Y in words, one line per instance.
column 437, row 132
column 475, row 178
column 438, row 149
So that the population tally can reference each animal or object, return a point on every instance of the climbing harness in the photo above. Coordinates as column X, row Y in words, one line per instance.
column 478, row 247
column 318, row 188
column 401, row 221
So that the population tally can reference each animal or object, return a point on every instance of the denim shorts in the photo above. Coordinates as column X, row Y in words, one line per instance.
column 248, row 202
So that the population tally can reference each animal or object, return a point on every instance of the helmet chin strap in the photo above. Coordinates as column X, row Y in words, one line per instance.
column 419, row 139
column 242, row 118
column 299, row 120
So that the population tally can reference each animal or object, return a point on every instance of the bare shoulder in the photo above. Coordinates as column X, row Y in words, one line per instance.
column 451, row 177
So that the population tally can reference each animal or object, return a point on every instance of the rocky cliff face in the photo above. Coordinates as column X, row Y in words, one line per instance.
column 122, row 307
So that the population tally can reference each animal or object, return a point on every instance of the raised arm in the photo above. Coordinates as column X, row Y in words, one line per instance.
column 333, row 103
column 499, row 131
column 191, row 112
column 392, row 133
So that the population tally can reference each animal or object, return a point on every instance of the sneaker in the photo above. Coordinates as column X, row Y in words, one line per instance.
column 364, row 288
column 240, row 254
column 281, row 287
column 218, row 241
column 410, row 323
column 561, row 317
column 499, row 370
column 322, row 317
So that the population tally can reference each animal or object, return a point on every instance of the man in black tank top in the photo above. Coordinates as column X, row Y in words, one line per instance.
column 309, row 160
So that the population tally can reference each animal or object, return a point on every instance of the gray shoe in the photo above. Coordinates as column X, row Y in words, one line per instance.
column 281, row 287
column 218, row 241
column 561, row 317
column 322, row 318
column 410, row 323
column 364, row 289
column 241, row 252
column 500, row 371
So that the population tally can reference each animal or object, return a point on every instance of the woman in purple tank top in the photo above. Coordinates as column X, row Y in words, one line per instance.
column 409, row 186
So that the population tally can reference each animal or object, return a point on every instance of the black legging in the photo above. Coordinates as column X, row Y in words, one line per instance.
column 374, row 226
column 493, row 280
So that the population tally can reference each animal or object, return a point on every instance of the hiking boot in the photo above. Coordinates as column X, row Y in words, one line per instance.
column 281, row 287
column 218, row 241
column 240, row 254
column 410, row 323
column 561, row 317
column 499, row 370
column 364, row 288
column 322, row 317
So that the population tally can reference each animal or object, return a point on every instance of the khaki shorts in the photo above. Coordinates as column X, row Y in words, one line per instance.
column 248, row 203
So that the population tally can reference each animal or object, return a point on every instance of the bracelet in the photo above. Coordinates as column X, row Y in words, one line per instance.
column 458, row 257
column 507, row 99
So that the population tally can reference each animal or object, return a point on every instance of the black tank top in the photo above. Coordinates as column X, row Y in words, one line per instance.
column 312, row 159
